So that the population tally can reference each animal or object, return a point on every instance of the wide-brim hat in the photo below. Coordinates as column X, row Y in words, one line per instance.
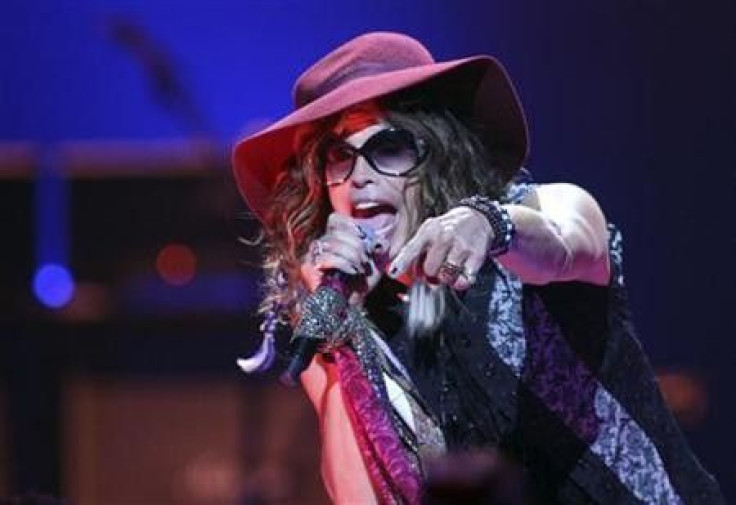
column 373, row 66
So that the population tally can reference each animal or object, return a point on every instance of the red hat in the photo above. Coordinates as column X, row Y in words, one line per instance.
column 375, row 65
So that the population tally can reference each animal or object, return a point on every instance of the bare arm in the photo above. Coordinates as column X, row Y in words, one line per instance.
column 343, row 471
column 561, row 235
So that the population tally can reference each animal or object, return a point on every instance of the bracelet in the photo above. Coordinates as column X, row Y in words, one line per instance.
column 499, row 219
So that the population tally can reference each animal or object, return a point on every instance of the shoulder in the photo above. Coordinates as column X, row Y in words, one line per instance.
column 568, row 198
column 563, row 190
column 525, row 191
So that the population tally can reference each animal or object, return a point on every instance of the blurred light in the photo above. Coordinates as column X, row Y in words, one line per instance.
column 686, row 395
column 224, row 292
column 176, row 264
column 210, row 480
column 91, row 303
column 53, row 285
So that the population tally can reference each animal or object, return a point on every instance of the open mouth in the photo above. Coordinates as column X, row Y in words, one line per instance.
column 378, row 216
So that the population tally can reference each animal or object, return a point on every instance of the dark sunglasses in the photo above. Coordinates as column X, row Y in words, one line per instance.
column 393, row 152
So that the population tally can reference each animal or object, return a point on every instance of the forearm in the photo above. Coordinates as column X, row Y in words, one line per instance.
column 560, row 236
column 538, row 253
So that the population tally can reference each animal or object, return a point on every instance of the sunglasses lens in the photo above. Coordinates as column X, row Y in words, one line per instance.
column 390, row 152
column 393, row 151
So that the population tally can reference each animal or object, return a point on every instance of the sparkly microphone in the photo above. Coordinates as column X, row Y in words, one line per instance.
column 324, row 311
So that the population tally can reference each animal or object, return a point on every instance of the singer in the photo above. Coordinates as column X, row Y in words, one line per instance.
column 442, row 300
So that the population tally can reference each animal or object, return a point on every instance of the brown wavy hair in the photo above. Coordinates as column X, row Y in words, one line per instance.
column 458, row 165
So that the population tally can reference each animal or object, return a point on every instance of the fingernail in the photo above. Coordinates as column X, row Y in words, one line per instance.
column 393, row 271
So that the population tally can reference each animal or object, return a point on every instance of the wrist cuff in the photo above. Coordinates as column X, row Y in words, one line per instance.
column 499, row 219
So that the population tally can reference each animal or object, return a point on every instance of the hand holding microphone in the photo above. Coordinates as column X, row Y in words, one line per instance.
column 348, row 248
column 340, row 269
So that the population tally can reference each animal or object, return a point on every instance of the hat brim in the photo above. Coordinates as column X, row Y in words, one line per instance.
column 258, row 160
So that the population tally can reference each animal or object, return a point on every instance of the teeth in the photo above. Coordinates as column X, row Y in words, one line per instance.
column 366, row 205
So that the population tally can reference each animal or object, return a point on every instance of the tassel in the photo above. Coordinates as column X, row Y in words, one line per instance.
column 264, row 356
column 266, row 353
column 262, row 359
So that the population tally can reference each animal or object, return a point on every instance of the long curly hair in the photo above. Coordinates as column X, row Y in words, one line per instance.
column 458, row 165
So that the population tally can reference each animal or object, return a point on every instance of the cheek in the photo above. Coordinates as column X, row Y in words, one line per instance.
column 339, row 198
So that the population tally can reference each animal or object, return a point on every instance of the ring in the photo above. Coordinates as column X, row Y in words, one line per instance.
column 449, row 273
column 317, row 249
column 469, row 276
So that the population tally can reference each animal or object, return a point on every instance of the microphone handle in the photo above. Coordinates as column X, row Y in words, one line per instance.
column 305, row 348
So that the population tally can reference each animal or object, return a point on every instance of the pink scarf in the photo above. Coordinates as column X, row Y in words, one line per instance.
column 395, row 479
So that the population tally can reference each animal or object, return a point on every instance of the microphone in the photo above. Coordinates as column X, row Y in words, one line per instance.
column 335, row 288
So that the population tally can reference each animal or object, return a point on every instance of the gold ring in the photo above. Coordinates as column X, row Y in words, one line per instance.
column 449, row 273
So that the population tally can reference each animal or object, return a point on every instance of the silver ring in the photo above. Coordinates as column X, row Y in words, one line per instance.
column 317, row 249
column 469, row 276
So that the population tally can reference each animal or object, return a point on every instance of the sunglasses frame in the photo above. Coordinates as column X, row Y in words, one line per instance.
column 419, row 145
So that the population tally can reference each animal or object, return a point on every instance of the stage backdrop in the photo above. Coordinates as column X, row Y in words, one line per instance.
column 115, row 121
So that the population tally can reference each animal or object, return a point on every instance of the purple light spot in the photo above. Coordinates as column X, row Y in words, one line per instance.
column 53, row 285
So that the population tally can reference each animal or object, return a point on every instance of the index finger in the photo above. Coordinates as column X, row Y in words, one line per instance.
column 409, row 253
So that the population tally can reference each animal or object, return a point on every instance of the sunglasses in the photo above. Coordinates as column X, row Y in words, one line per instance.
column 394, row 152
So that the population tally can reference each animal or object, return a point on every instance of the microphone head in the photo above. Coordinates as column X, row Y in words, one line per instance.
column 374, row 246
column 368, row 236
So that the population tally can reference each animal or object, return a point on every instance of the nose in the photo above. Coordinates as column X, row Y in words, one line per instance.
column 362, row 173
